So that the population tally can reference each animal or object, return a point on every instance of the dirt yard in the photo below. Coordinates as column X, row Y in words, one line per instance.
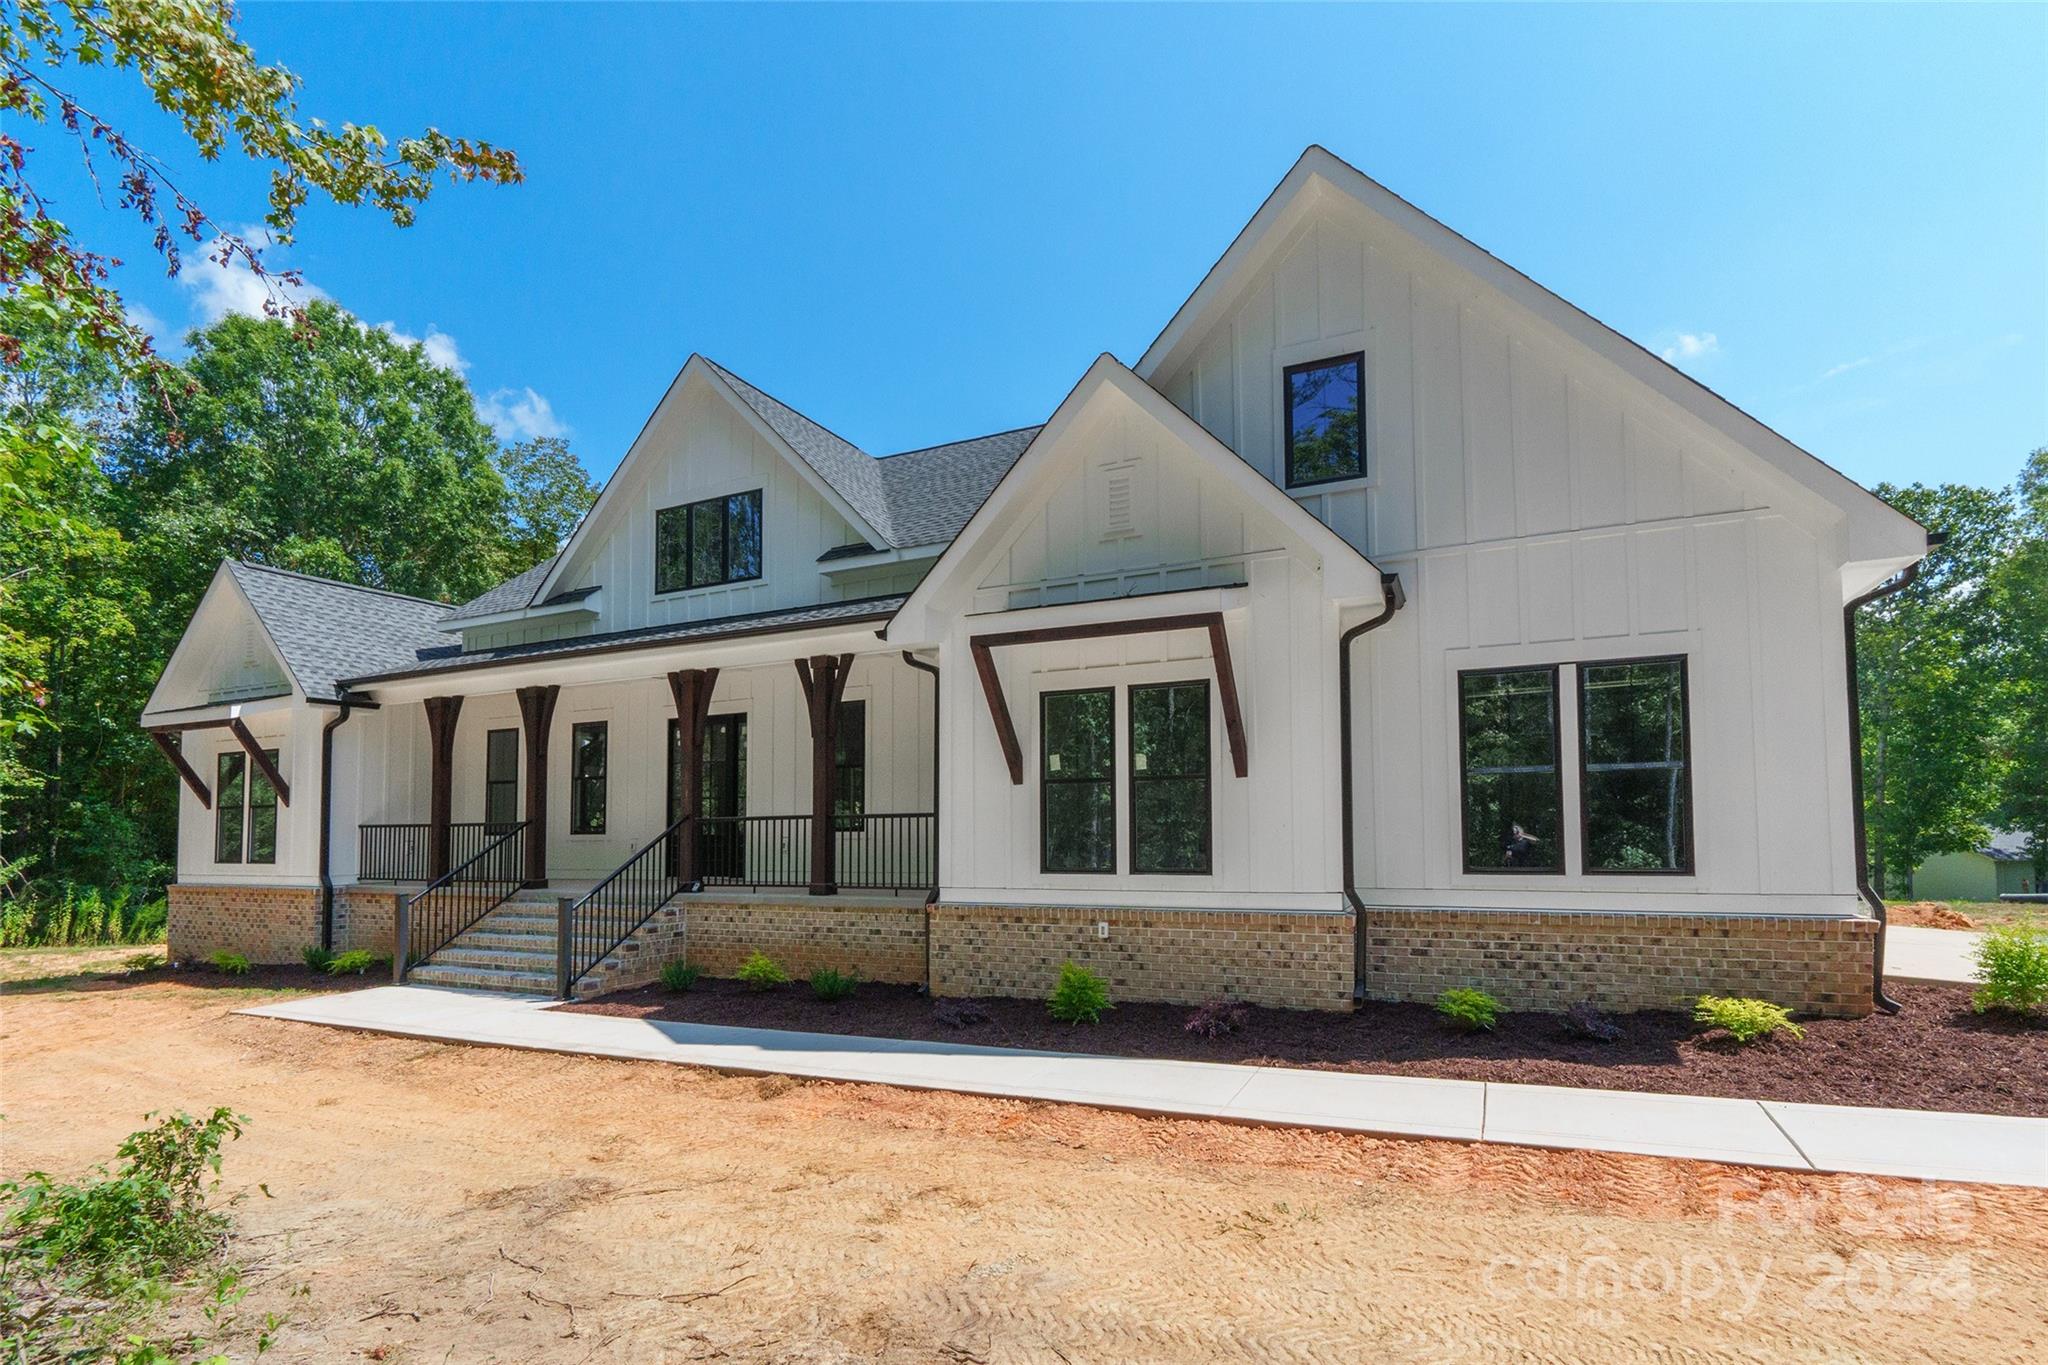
column 456, row 1204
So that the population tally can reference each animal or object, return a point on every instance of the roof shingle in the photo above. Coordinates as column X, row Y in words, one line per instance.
column 328, row 630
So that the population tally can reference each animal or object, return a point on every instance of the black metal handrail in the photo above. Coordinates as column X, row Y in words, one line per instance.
column 590, row 928
column 404, row 852
column 431, row 920
column 870, row 852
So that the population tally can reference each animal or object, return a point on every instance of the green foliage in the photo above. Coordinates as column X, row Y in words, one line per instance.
column 761, row 972
column 1745, row 1020
column 52, row 916
column 316, row 958
column 1078, row 997
column 231, row 962
column 829, row 983
column 84, row 1265
column 143, row 962
column 1470, row 1010
column 2012, row 964
column 356, row 961
column 679, row 976
column 548, row 492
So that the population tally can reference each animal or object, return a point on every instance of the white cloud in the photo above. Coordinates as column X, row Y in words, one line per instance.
column 520, row 414
column 233, row 290
column 440, row 347
column 1692, row 346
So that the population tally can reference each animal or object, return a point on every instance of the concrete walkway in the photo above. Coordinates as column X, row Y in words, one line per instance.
column 1967, row 1147
column 1930, row 957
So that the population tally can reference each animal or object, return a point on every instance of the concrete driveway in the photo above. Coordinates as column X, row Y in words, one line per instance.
column 1937, row 957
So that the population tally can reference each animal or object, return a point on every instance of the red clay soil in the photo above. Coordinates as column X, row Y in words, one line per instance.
column 1929, row 915
column 1935, row 1054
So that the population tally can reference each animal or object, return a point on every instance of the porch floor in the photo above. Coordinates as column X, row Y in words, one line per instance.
column 1918, row 1144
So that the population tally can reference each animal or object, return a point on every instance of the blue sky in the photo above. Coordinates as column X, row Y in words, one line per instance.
column 919, row 224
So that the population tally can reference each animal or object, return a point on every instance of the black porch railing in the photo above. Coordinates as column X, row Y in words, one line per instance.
column 404, row 853
column 590, row 928
column 870, row 852
column 431, row 920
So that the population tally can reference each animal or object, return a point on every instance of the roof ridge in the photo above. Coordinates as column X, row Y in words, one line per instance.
column 337, row 582
column 964, row 440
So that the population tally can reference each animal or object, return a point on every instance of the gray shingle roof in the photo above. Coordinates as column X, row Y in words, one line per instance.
column 514, row 593
column 934, row 492
column 2010, row 846
column 449, row 657
column 850, row 470
column 328, row 631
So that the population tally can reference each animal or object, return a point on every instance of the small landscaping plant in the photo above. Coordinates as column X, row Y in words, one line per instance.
column 1470, row 1010
column 1218, row 1018
column 143, row 962
column 1745, row 1020
column 2012, row 964
column 1584, row 1020
column 355, row 962
column 233, row 963
column 1079, row 997
column 761, row 972
column 317, row 958
column 829, row 983
column 679, row 976
column 959, row 1013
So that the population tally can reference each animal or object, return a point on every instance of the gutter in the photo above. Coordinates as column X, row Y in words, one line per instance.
column 326, row 824
column 1392, row 598
column 1870, row 894
column 937, row 809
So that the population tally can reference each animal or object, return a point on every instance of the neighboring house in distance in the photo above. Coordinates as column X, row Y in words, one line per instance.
column 1390, row 625
column 2002, row 867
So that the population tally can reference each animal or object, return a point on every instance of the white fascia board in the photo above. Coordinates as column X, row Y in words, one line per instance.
column 1876, row 531
column 223, row 582
column 248, row 709
column 881, row 558
column 695, row 370
column 590, row 605
column 1142, row 607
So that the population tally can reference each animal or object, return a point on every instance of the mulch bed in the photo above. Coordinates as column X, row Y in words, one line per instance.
column 1935, row 1054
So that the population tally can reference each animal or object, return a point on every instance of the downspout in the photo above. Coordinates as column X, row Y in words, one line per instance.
column 1870, row 894
column 1392, row 598
column 326, row 825
column 937, row 700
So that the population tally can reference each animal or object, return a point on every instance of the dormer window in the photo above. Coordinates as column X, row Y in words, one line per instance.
column 703, row 544
column 1325, row 405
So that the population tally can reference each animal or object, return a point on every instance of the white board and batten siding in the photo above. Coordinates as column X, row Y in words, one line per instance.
column 1543, row 508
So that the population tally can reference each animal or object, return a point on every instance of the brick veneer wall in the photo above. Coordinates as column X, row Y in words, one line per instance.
column 366, row 917
column 639, row 960
column 1546, row 960
column 266, row 924
column 881, row 942
column 1296, row 960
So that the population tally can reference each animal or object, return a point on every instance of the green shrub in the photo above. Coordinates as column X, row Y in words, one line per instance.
column 1469, row 1009
column 2012, row 964
column 1079, row 997
column 1745, row 1020
column 142, row 962
column 355, row 962
column 761, row 972
column 233, row 963
column 50, row 914
column 829, row 983
column 679, row 976
column 318, row 959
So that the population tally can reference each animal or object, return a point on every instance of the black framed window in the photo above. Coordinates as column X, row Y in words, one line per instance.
column 587, row 744
column 1077, row 780
column 1325, row 405
column 1512, row 789
column 230, row 790
column 263, row 814
column 702, row 544
column 1635, row 769
column 850, row 766
column 501, row 777
column 1170, row 807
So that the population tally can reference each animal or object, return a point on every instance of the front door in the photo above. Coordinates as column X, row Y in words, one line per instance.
column 721, row 832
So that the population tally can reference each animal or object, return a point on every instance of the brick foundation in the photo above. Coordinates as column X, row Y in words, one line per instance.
column 1546, row 960
column 266, row 924
column 881, row 942
column 639, row 960
column 366, row 917
column 1292, row 960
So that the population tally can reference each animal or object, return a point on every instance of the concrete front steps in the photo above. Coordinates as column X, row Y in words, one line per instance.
column 510, row 951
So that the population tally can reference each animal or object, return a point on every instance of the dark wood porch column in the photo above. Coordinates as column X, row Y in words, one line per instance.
column 441, row 715
column 692, row 689
column 536, row 714
column 824, row 679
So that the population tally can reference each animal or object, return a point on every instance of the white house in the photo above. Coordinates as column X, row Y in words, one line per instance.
column 1390, row 625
